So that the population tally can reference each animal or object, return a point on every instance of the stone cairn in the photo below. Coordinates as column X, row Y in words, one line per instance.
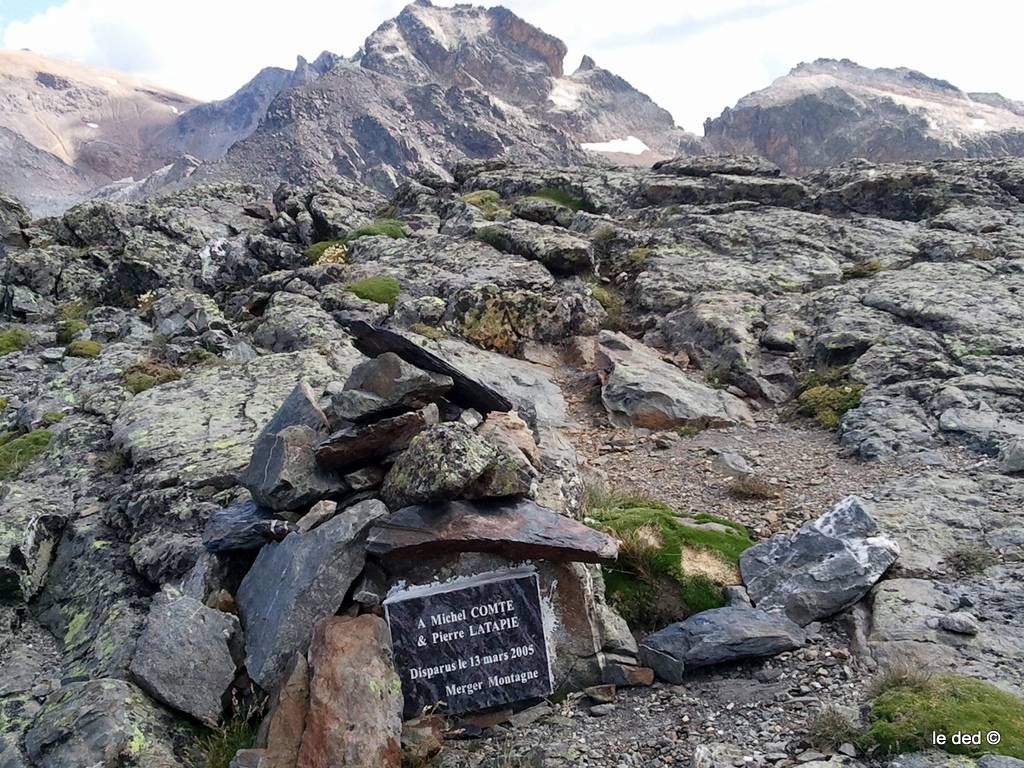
column 408, row 473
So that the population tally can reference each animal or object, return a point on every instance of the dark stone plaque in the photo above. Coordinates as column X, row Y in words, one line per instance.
column 472, row 644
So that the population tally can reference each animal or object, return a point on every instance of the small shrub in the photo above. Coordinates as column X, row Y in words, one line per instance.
column 66, row 330
column 381, row 290
column 16, row 451
column 146, row 375
column 611, row 302
column 970, row 557
column 13, row 339
column 386, row 227
column 828, row 394
column 486, row 200
column 670, row 566
column 327, row 252
column 830, row 728
column 753, row 488
column 429, row 331
column 564, row 198
column 863, row 269
column 221, row 744
column 83, row 349
column 903, row 719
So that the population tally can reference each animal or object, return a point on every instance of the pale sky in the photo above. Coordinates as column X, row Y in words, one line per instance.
column 693, row 58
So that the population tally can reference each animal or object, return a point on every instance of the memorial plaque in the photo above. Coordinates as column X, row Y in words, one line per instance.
column 471, row 644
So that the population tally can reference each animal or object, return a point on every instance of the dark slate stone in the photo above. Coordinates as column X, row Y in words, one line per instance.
column 284, row 474
column 516, row 529
column 300, row 407
column 467, row 392
column 183, row 657
column 823, row 568
column 717, row 636
column 384, row 386
column 355, row 444
column 473, row 644
column 243, row 526
column 295, row 583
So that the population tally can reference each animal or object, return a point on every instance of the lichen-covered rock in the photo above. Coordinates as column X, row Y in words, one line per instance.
column 184, row 655
column 642, row 390
column 295, row 583
column 450, row 461
column 107, row 723
column 826, row 566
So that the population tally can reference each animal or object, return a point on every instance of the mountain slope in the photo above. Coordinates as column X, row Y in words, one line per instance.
column 829, row 111
column 436, row 85
column 96, row 122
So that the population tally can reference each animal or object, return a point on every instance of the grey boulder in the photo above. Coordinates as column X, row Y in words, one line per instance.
column 718, row 636
column 823, row 568
column 183, row 657
column 295, row 583
column 384, row 385
column 283, row 473
column 244, row 525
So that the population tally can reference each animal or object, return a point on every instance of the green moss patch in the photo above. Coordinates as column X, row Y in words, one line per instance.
column 327, row 252
column 486, row 200
column 13, row 339
column 381, row 290
column 902, row 719
column 828, row 394
column 151, row 373
column 560, row 196
column 83, row 349
column 66, row 330
column 386, row 227
column 73, row 310
column 670, row 566
column 429, row 331
column 16, row 451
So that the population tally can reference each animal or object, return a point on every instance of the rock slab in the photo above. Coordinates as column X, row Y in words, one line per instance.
column 295, row 583
column 826, row 566
column 717, row 636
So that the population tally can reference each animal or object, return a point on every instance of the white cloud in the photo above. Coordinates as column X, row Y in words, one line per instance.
column 691, row 56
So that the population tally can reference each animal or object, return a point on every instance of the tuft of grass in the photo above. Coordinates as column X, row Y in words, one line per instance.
column 903, row 719
column 486, row 200
column 381, row 290
column 66, row 330
column 53, row 417
column 83, row 349
column 690, row 430
column 753, row 488
column 221, row 744
column 901, row 672
column 3, row 403
column 611, row 302
column 386, row 227
column 13, row 339
column 16, row 451
column 604, row 234
column 670, row 566
column 827, row 394
column 73, row 310
column 201, row 357
column 830, row 728
column 327, row 252
column 863, row 269
column 970, row 557
column 636, row 259
column 429, row 331
column 146, row 375
column 563, row 198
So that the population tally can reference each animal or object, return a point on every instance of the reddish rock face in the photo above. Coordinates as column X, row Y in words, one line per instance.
column 355, row 697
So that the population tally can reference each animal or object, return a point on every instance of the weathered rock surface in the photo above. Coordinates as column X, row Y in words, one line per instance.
column 717, row 636
column 643, row 390
column 243, row 526
column 826, row 566
column 284, row 474
column 515, row 529
column 354, row 444
column 184, row 656
column 386, row 384
column 355, row 697
column 295, row 583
